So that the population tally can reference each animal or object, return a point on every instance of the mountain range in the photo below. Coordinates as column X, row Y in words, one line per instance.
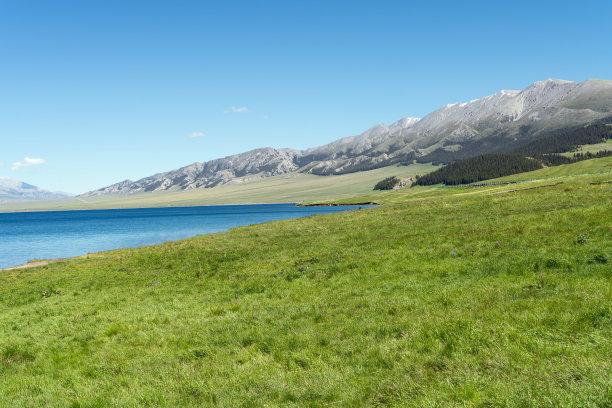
column 494, row 123
column 15, row 190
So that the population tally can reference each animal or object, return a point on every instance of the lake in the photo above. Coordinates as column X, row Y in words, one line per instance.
column 59, row 234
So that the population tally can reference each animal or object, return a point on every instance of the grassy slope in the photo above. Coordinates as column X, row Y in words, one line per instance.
column 449, row 300
column 603, row 165
column 525, row 180
column 293, row 187
column 592, row 148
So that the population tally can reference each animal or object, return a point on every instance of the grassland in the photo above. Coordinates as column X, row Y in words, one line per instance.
column 294, row 187
column 444, row 297
column 556, row 174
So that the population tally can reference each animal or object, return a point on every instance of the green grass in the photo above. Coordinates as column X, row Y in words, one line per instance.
column 294, row 187
column 591, row 148
column 451, row 299
column 593, row 166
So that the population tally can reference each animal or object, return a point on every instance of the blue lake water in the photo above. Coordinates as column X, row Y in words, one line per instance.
column 60, row 234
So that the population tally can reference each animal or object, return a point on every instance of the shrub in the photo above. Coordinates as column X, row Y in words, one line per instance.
column 387, row 184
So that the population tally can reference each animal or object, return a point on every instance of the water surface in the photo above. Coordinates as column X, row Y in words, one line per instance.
column 59, row 234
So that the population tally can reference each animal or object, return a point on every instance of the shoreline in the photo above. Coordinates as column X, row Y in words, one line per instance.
column 35, row 264
column 335, row 204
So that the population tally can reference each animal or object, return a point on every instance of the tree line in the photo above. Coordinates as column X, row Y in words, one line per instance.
column 530, row 156
column 566, row 142
column 483, row 167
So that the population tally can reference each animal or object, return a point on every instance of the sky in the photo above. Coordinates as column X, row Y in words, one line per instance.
column 96, row 92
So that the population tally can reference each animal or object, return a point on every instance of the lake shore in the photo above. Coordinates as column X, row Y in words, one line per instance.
column 64, row 234
column 35, row 264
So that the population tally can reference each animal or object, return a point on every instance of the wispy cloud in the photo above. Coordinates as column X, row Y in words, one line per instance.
column 27, row 162
column 265, row 116
column 234, row 109
column 193, row 135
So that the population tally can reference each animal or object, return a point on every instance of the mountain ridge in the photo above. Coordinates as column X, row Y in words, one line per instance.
column 458, row 130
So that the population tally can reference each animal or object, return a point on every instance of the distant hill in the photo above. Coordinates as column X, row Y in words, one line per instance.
column 15, row 190
column 492, row 124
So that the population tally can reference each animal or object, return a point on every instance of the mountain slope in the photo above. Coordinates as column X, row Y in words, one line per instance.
column 494, row 123
column 15, row 190
column 258, row 163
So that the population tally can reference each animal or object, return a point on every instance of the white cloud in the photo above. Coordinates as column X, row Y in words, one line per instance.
column 195, row 134
column 234, row 109
column 265, row 117
column 27, row 162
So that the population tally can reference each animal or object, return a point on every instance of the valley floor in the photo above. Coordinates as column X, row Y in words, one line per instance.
column 286, row 188
column 442, row 297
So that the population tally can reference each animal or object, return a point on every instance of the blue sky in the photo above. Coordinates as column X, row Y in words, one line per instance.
column 94, row 92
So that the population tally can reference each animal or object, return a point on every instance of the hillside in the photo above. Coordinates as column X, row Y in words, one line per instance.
column 479, row 168
column 542, row 177
column 459, row 297
column 543, row 152
column 492, row 124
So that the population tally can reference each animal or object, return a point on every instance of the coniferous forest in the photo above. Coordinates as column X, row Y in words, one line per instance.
column 531, row 156
column 566, row 142
column 484, row 167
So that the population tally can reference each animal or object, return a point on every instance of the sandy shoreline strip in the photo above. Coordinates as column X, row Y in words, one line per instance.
column 35, row 264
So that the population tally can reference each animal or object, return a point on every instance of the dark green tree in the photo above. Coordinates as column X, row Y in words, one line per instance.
column 387, row 184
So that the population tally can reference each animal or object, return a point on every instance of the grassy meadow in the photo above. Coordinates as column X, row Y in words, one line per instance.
column 467, row 297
